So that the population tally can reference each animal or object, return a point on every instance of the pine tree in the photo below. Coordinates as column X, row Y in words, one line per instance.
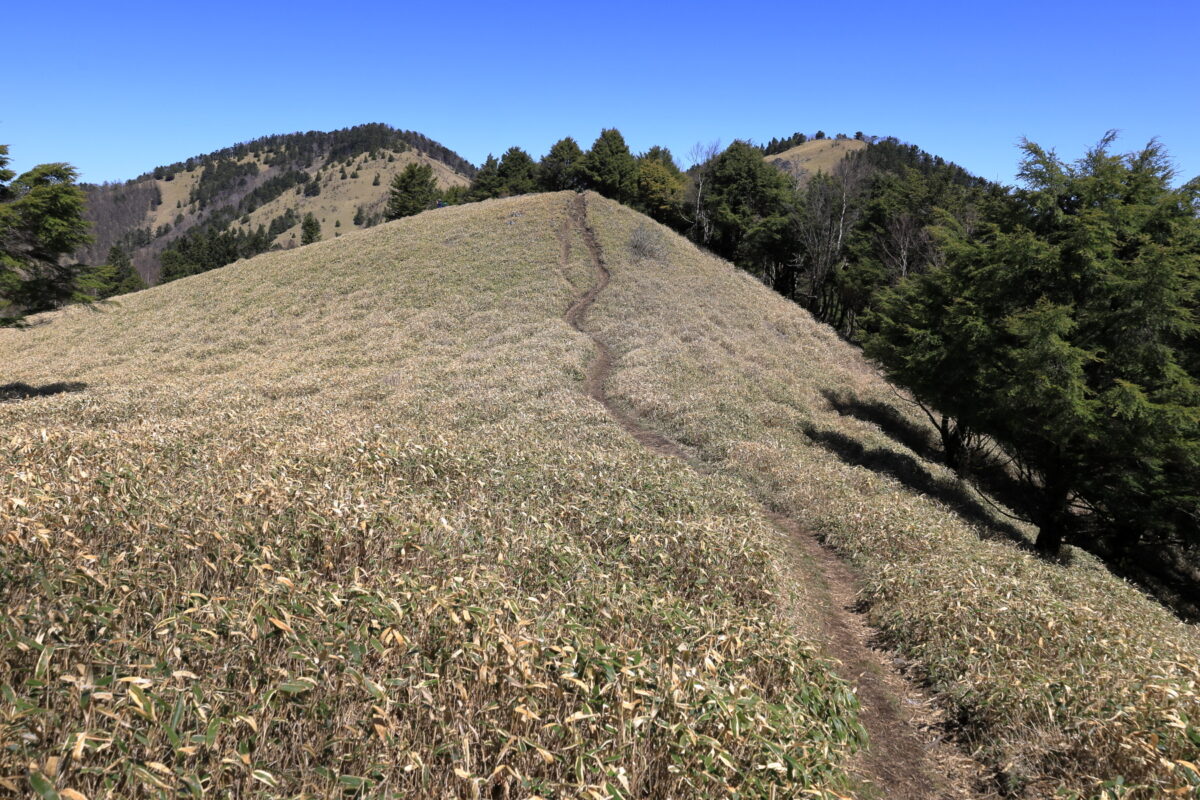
column 41, row 224
column 412, row 191
column 1060, row 330
column 518, row 172
column 559, row 169
column 116, row 276
column 487, row 183
column 310, row 230
column 660, row 187
column 610, row 168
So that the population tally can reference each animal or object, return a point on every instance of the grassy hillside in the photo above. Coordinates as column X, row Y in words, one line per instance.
column 815, row 155
column 1064, row 678
column 340, row 521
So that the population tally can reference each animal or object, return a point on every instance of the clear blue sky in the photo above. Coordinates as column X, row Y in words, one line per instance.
column 118, row 88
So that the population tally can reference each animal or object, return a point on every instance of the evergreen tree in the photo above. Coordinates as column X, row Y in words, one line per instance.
column 559, row 169
column 487, row 183
column 41, row 224
column 116, row 276
column 310, row 230
column 518, row 172
column 660, row 187
column 751, row 207
column 413, row 190
column 1059, row 329
column 610, row 168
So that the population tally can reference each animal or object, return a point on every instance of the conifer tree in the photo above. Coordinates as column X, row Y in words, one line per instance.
column 559, row 169
column 413, row 190
column 41, row 224
column 116, row 276
column 1060, row 330
column 660, row 187
column 310, row 230
column 518, row 172
column 610, row 168
column 487, row 183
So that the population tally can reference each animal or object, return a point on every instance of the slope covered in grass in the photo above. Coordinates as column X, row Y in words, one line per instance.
column 1065, row 678
column 339, row 522
column 816, row 155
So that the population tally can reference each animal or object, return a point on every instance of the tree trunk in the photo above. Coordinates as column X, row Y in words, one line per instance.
column 1054, row 517
column 1049, row 540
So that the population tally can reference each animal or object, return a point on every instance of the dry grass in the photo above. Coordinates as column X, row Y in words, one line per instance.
column 1066, row 679
column 815, row 155
column 338, row 522
column 340, row 199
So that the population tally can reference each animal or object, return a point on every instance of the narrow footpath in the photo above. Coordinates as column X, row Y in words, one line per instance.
column 907, row 757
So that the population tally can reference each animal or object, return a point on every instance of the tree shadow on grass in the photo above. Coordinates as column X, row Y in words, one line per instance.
column 913, row 435
column 23, row 391
column 909, row 471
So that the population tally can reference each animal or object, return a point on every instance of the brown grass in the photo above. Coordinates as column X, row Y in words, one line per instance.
column 1066, row 679
column 815, row 155
column 338, row 522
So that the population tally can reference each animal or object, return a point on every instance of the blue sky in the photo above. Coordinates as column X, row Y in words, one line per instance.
column 118, row 88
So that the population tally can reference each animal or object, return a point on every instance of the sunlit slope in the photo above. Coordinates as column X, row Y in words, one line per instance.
column 816, row 155
column 339, row 522
column 1064, row 676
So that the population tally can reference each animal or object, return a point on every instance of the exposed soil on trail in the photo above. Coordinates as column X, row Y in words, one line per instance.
column 909, row 756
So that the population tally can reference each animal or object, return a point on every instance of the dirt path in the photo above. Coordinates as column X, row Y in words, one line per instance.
column 907, row 758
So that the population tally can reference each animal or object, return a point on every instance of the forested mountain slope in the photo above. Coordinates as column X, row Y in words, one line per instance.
column 253, row 196
column 509, row 499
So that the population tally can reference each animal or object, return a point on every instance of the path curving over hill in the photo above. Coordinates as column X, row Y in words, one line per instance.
column 907, row 758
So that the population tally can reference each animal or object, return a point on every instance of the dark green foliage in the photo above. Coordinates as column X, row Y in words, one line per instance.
column 751, row 206
column 559, row 169
column 609, row 167
column 360, row 216
column 455, row 195
column 660, row 187
column 518, row 172
column 272, row 188
column 1060, row 328
column 487, row 183
column 207, row 247
column 287, row 219
column 412, row 191
column 779, row 145
column 115, row 277
column 41, row 223
column 310, row 230
column 375, row 181
column 219, row 177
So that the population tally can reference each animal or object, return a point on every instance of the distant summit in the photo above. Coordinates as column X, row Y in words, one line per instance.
column 251, row 197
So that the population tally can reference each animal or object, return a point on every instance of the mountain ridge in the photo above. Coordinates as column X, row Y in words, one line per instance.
column 272, row 181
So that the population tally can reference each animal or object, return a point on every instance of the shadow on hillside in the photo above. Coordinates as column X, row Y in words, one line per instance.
column 23, row 391
column 1170, row 572
column 909, row 471
column 913, row 435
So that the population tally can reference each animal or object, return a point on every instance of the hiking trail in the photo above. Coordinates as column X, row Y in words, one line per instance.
column 908, row 756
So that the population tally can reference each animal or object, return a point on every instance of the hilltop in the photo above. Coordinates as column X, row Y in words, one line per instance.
column 520, row 498
column 340, row 177
column 813, row 156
